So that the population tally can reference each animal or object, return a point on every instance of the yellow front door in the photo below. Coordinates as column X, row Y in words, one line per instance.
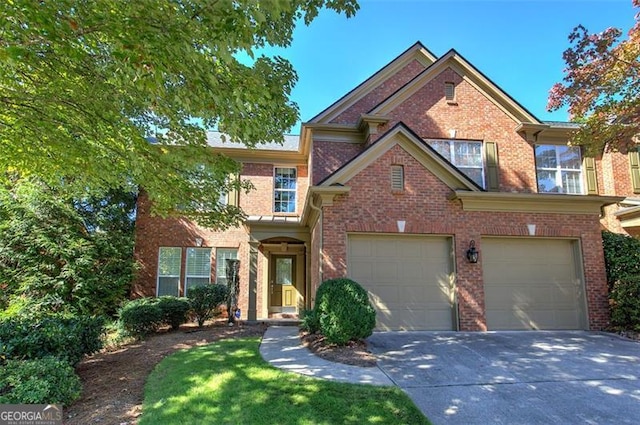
column 283, row 286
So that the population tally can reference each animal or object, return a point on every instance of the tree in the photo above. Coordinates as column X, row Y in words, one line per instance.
column 86, row 85
column 64, row 255
column 602, row 88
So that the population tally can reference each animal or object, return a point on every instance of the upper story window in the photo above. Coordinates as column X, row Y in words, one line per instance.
column 559, row 169
column 284, row 190
column 466, row 155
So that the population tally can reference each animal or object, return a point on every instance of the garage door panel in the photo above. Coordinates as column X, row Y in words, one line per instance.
column 531, row 284
column 407, row 279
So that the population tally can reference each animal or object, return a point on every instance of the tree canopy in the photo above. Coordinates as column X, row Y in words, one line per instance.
column 86, row 85
column 601, row 87
column 59, row 254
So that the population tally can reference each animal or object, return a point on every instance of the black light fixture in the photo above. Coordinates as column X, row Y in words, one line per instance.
column 472, row 252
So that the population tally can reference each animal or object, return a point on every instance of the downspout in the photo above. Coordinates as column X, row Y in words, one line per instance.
column 320, row 269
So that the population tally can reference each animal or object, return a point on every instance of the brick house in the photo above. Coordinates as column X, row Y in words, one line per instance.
column 391, row 186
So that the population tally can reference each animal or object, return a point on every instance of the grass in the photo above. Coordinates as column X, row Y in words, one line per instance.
column 228, row 382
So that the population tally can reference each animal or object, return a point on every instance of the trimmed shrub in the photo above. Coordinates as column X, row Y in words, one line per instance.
column 344, row 311
column 41, row 381
column 310, row 321
column 65, row 338
column 205, row 299
column 624, row 300
column 621, row 257
column 141, row 317
column 174, row 310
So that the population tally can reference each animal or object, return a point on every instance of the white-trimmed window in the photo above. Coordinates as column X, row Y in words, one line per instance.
column 223, row 254
column 284, row 190
column 465, row 155
column 559, row 169
column 198, row 268
column 169, row 262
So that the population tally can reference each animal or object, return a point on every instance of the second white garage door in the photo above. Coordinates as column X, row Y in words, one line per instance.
column 409, row 279
column 532, row 284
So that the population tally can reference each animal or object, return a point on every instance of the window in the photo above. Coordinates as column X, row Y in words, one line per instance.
column 397, row 177
column 223, row 254
column 284, row 190
column 169, row 261
column 558, row 169
column 464, row 155
column 198, row 268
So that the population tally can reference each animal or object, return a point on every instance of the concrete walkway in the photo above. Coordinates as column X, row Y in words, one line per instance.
column 282, row 348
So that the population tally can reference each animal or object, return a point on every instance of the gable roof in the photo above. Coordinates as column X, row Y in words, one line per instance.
column 452, row 59
column 416, row 52
column 403, row 136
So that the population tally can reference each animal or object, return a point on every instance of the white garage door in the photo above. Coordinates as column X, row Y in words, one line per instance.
column 408, row 279
column 532, row 284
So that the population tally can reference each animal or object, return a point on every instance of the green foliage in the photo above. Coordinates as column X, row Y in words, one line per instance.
column 63, row 255
column 65, row 338
column 84, row 83
column 41, row 381
column 174, row 310
column 624, row 300
column 141, row 317
column 344, row 311
column 310, row 321
column 621, row 256
column 205, row 299
column 600, row 87
column 622, row 262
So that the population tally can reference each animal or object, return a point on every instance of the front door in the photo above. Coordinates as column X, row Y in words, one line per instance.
column 282, row 283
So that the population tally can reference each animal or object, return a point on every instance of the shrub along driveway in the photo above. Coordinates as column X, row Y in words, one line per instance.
column 515, row 377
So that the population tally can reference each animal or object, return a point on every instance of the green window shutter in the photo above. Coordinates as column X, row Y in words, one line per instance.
column 591, row 176
column 491, row 156
column 634, row 162
column 233, row 197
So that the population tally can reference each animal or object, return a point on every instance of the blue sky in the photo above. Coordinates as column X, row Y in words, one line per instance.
column 518, row 44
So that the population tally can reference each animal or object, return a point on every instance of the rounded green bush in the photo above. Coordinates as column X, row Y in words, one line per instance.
column 41, row 381
column 344, row 311
column 310, row 321
column 141, row 316
column 624, row 301
column 174, row 310
column 66, row 338
column 205, row 299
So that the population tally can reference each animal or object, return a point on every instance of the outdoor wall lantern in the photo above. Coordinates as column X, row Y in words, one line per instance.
column 472, row 252
column 199, row 241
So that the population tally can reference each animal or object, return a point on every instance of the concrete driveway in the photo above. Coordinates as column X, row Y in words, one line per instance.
column 515, row 377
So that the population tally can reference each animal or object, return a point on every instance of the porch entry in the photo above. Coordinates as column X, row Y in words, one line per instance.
column 283, row 294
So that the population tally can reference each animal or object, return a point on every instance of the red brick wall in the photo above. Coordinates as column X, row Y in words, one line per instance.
column 260, row 200
column 377, row 95
column 371, row 206
column 329, row 156
column 154, row 232
column 473, row 117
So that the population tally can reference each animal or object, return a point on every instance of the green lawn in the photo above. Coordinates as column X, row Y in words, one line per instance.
column 228, row 382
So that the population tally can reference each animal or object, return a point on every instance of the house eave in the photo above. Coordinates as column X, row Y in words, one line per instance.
column 629, row 217
column 324, row 195
column 532, row 202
